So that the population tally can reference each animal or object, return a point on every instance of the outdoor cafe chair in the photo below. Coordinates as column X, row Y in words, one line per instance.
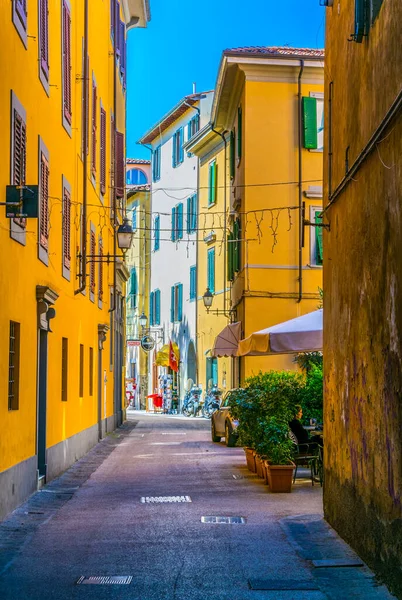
column 305, row 455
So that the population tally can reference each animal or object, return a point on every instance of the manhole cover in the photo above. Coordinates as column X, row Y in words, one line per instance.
column 224, row 520
column 167, row 499
column 109, row 580
column 282, row 584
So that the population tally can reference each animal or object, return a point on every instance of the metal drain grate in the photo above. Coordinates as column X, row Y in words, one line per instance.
column 337, row 563
column 166, row 499
column 224, row 520
column 282, row 585
column 110, row 580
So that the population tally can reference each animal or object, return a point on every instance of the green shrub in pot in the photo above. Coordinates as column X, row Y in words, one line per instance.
column 275, row 442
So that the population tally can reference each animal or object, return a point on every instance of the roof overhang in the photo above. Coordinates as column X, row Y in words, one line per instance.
column 203, row 141
column 137, row 13
column 167, row 120
column 235, row 68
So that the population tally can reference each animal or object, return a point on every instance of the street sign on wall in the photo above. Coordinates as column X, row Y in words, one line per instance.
column 29, row 207
column 132, row 343
column 147, row 343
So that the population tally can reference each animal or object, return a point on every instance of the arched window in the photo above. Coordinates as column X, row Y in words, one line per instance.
column 136, row 177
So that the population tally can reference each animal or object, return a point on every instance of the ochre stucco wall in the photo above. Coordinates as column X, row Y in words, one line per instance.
column 363, row 295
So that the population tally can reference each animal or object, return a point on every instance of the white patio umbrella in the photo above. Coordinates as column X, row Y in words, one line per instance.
column 303, row 334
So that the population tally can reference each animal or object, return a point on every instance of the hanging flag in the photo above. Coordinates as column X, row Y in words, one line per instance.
column 173, row 364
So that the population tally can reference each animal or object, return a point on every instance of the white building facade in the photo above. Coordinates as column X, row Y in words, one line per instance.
column 174, row 206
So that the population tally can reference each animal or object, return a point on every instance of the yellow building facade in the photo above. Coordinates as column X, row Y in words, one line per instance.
column 268, row 104
column 212, row 151
column 138, row 260
column 62, row 115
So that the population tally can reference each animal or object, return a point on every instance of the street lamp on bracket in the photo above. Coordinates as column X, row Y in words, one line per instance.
column 208, row 299
column 125, row 236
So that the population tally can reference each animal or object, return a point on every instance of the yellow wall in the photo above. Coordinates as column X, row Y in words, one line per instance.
column 20, row 269
column 211, row 219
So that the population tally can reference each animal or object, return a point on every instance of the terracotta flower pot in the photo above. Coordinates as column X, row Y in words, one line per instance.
column 280, row 477
column 250, row 458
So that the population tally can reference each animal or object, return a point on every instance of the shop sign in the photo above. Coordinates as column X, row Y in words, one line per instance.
column 147, row 343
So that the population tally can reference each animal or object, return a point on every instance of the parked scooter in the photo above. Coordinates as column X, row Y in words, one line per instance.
column 192, row 401
column 212, row 401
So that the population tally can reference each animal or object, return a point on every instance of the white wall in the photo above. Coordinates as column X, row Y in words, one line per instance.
column 171, row 263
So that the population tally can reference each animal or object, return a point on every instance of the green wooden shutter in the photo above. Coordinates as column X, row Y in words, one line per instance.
column 179, row 210
column 133, row 282
column 212, row 182
column 239, row 132
column 157, row 307
column 310, row 133
column 232, row 154
column 230, row 270
column 318, row 239
column 173, row 234
column 193, row 283
column 189, row 215
column 194, row 205
column 214, row 364
column 172, row 298
column 180, row 302
column 174, row 156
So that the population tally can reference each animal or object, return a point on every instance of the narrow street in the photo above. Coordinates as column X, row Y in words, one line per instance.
column 98, row 519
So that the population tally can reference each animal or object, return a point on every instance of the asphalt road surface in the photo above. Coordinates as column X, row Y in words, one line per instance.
column 134, row 506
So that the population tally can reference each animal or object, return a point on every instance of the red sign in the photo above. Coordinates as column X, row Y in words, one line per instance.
column 133, row 343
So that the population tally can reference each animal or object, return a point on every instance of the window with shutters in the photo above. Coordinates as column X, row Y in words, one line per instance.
column 64, row 369
column 133, row 288
column 92, row 252
column 234, row 251
column 193, row 283
column 313, row 121
column 91, row 371
column 316, row 247
column 102, row 174
column 177, row 222
column 122, row 43
column 112, row 164
column 66, row 228
column 134, row 220
column 211, row 270
column 66, row 66
column 155, row 308
column 178, row 151
column 18, row 152
column 232, row 154
column 156, row 164
column 14, row 366
column 212, row 183
column 94, row 126
column 44, row 43
column 157, row 232
column 193, row 126
column 44, row 202
column 120, row 162
column 20, row 18
column 81, row 381
column 176, row 303
column 192, row 214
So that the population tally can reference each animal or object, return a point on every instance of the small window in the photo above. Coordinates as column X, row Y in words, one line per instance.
column 176, row 303
column 316, row 247
column 66, row 230
column 156, row 164
column 44, row 43
column 193, row 126
column 20, row 19
column 94, row 126
column 91, row 371
column 155, row 308
column 44, row 202
column 64, row 369
column 102, row 174
column 177, row 222
column 192, row 214
column 14, row 366
column 178, row 151
column 212, row 184
column 18, row 152
column 100, row 274
column 81, row 390
column 313, row 122
column 66, row 67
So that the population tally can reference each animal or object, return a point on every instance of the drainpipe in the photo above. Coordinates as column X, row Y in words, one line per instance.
column 85, row 160
column 331, row 87
column 114, row 204
column 301, row 224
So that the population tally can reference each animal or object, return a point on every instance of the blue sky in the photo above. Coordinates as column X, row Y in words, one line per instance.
column 184, row 43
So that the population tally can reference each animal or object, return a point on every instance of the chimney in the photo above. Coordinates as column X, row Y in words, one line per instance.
column 194, row 87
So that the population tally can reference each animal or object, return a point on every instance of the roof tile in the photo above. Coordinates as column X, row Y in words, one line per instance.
column 277, row 51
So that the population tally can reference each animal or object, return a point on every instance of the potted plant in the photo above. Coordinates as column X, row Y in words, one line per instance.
column 277, row 445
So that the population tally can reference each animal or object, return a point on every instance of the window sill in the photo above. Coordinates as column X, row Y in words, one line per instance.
column 314, row 266
column 210, row 205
